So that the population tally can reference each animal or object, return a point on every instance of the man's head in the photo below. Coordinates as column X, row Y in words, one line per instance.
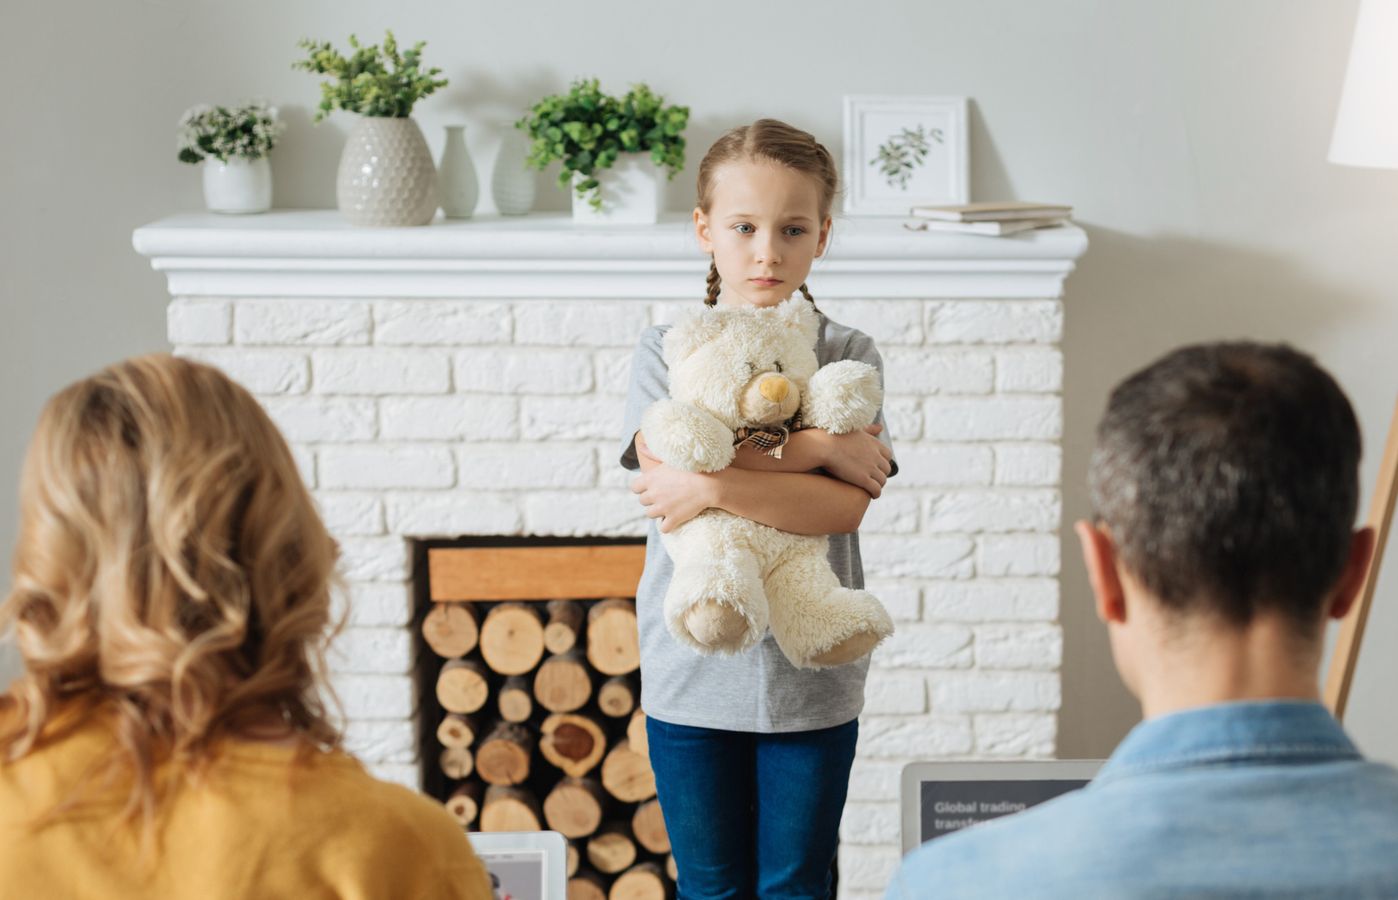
column 1224, row 485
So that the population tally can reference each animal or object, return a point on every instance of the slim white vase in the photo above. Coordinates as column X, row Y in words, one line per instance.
column 630, row 191
column 238, row 186
column 456, row 176
column 386, row 175
column 512, row 182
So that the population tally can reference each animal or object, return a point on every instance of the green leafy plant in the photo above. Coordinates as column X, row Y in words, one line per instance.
column 586, row 130
column 244, row 132
column 905, row 151
column 373, row 80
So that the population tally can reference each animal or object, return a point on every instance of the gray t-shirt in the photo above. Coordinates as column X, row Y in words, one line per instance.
column 756, row 691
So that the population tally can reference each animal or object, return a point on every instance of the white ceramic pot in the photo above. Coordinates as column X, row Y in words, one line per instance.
column 386, row 177
column 238, row 186
column 512, row 183
column 456, row 176
column 630, row 190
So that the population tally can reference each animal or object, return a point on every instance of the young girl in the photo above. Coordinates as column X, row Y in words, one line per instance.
column 751, row 755
column 171, row 604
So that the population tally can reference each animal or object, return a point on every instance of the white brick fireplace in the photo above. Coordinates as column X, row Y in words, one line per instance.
column 468, row 379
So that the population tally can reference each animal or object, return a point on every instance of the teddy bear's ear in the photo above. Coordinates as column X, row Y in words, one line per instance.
column 691, row 333
column 800, row 314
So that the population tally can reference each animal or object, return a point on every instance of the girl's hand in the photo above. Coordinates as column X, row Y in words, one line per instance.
column 674, row 496
column 860, row 458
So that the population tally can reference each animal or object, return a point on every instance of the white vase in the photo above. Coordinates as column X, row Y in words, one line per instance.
column 456, row 176
column 386, row 177
column 512, row 182
column 238, row 186
column 630, row 191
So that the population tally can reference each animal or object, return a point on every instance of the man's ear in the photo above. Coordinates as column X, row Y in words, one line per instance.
column 1099, row 556
column 824, row 237
column 701, row 231
column 1361, row 553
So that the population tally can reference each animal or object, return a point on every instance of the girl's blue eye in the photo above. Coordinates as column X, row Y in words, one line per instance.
column 795, row 231
column 741, row 225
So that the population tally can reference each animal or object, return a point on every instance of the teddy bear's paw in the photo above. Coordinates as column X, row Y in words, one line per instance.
column 686, row 437
column 718, row 627
column 847, row 651
column 716, row 608
column 843, row 397
column 850, row 625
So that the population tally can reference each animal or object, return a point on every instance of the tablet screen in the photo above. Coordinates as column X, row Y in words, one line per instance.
column 516, row 875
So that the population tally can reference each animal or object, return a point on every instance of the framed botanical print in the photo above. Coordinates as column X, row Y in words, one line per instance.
column 902, row 152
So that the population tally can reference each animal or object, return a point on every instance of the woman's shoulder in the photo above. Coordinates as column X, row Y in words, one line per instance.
column 395, row 815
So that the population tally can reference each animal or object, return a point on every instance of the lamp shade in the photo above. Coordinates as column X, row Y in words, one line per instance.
column 1366, row 127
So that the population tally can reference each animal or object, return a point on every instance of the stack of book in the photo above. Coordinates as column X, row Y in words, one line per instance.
column 994, row 219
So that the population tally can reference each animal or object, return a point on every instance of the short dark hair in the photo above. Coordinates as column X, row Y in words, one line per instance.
column 1228, row 477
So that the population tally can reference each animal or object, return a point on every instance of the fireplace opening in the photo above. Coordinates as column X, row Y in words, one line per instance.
column 529, row 716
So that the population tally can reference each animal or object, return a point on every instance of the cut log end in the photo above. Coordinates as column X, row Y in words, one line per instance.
column 462, row 686
column 504, row 757
column 451, row 629
column 611, row 850
column 563, row 683
column 564, row 626
column 512, row 638
column 627, row 775
column 575, row 744
column 510, row 809
column 617, row 697
column 643, row 881
column 457, row 762
column 465, row 802
column 515, row 701
column 648, row 825
column 613, row 643
column 457, row 731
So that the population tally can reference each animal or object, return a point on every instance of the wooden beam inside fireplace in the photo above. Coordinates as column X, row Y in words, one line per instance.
column 534, row 573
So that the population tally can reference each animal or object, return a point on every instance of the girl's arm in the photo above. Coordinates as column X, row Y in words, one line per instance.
column 797, row 502
column 859, row 458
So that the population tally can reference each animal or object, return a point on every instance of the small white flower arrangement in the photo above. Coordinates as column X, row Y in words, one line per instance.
column 244, row 132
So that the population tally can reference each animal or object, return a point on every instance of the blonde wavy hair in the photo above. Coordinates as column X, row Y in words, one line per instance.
column 171, row 574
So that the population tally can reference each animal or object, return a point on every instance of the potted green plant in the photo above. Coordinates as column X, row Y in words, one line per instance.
column 232, row 143
column 386, row 174
column 611, row 149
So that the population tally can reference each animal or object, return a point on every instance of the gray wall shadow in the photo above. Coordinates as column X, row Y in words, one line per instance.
column 1131, row 300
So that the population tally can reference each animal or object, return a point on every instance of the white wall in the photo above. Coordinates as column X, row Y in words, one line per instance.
column 1190, row 135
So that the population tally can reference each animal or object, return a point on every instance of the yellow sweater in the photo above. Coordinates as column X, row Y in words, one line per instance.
column 259, row 825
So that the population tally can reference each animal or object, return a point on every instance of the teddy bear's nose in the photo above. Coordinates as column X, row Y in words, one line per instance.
column 774, row 388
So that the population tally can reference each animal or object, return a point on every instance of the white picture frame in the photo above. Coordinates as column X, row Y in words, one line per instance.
column 904, row 151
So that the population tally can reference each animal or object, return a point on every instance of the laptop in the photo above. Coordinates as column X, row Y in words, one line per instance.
column 937, row 798
column 524, row 865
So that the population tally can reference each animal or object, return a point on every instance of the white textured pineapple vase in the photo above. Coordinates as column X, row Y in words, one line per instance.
column 387, row 177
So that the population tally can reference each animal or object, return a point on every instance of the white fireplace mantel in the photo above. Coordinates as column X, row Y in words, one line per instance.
column 315, row 253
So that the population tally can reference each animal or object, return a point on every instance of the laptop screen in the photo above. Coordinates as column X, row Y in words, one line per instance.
column 938, row 798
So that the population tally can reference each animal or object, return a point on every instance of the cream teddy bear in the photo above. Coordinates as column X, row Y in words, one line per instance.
column 736, row 372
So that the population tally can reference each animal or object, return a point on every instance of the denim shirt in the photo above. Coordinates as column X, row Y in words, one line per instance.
column 1265, row 799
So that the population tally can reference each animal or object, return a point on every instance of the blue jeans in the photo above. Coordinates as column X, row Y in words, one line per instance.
column 752, row 815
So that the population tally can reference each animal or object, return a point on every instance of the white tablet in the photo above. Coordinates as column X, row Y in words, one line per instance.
column 938, row 798
column 524, row 865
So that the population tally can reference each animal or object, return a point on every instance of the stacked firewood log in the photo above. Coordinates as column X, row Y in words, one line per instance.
column 541, row 728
